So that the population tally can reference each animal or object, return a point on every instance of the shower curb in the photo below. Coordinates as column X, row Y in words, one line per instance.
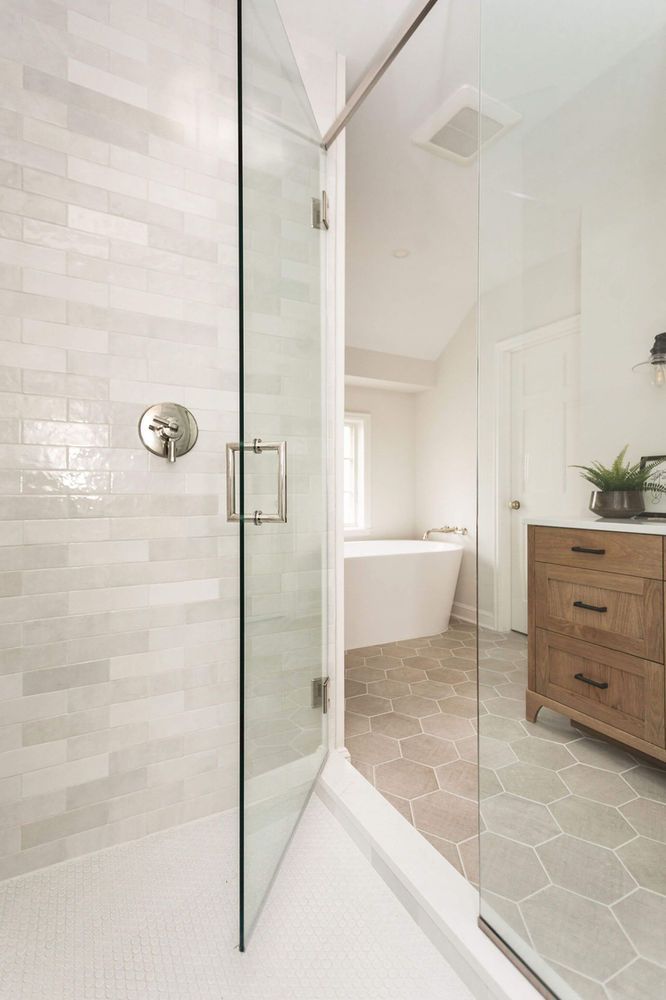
column 440, row 900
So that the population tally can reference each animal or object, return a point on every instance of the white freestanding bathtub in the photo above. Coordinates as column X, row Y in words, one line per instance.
column 398, row 590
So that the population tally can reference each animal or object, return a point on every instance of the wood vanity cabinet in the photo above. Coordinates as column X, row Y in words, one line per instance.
column 596, row 632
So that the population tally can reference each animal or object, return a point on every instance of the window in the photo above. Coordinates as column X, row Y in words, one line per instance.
column 356, row 457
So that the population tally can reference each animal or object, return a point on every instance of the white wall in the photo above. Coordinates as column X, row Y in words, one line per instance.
column 393, row 460
column 588, row 239
column 445, row 446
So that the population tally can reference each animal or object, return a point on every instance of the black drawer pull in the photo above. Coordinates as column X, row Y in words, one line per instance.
column 589, row 552
column 588, row 680
column 589, row 607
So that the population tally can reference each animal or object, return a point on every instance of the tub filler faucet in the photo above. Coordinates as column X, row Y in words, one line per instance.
column 446, row 530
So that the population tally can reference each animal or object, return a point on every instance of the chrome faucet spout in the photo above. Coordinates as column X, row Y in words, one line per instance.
column 445, row 530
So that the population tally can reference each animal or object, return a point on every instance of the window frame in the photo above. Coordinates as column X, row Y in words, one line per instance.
column 361, row 424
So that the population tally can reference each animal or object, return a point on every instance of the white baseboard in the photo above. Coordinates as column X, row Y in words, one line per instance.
column 467, row 613
column 441, row 901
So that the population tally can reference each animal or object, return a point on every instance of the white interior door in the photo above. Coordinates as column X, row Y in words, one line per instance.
column 544, row 397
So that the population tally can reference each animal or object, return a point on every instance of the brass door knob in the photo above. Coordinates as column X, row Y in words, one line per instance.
column 514, row 505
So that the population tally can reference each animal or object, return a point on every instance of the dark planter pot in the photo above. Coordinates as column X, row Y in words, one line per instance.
column 617, row 503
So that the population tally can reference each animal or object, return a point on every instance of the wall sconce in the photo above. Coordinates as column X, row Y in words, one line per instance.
column 656, row 361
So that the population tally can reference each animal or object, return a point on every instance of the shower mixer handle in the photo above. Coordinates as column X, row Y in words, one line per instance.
column 168, row 430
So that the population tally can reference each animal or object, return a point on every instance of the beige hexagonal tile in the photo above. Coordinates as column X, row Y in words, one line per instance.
column 491, row 677
column 460, row 778
column 448, row 727
column 647, row 817
column 384, row 662
column 641, row 980
column 512, row 689
column 397, row 726
column 519, row 819
column 642, row 916
column 648, row 782
column 504, row 730
column 446, row 642
column 407, row 674
column 413, row 705
column 551, row 726
column 543, row 753
column 531, row 782
column 469, row 854
column 510, row 869
column 465, row 653
column 373, row 748
column 489, row 784
column 601, row 786
column 646, row 860
column 365, row 674
column 388, row 689
column 599, row 753
column 464, row 707
column 361, row 652
column 576, row 932
column 427, row 749
column 367, row 704
column 405, row 778
column 422, row 662
column 447, row 675
column 592, row 821
column 469, row 689
column 432, row 689
column 445, row 815
column 355, row 724
column 508, row 911
column 583, row 987
column 353, row 688
column 468, row 749
column 506, row 708
column 495, row 753
column 585, row 868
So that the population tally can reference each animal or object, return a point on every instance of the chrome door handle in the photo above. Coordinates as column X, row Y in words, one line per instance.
column 514, row 504
column 258, row 447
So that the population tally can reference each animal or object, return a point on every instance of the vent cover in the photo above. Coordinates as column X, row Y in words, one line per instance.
column 455, row 130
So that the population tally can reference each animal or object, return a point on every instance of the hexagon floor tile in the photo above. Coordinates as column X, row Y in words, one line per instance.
column 579, row 825
column 156, row 919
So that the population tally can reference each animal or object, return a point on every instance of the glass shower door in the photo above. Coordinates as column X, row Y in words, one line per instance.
column 277, row 483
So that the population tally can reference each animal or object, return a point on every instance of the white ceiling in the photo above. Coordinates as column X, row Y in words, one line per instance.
column 358, row 30
column 537, row 57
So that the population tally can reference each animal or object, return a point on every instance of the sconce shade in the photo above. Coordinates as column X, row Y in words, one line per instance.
column 656, row 363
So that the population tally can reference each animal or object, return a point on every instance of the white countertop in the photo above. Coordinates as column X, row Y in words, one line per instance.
column 641, row 527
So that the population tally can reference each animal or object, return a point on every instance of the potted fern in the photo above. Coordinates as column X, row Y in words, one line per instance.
column 618, row 489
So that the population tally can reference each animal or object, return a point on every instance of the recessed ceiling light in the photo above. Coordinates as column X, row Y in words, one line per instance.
column 401, row 253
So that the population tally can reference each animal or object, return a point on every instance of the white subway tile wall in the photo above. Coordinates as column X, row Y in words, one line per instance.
column 118, row 289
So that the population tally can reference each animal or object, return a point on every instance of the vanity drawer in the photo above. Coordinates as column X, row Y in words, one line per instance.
column 624, row 552
column 621, row 612
column 627, row 693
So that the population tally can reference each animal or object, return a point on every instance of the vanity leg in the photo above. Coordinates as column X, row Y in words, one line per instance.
column 533, row 704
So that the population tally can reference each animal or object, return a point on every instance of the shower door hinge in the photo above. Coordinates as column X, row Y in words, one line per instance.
column 320, row 212
column 320, row 694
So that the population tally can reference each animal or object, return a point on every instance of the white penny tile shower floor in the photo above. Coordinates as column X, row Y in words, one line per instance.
column 156, row 920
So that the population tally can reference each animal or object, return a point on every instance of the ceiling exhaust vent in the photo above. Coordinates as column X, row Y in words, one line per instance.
column 464, row 120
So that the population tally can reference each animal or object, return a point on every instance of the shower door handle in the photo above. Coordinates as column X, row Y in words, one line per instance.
column 258, row 447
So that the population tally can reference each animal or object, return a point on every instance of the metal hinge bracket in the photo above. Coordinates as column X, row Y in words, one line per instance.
column 320, row 694
column 320, row 212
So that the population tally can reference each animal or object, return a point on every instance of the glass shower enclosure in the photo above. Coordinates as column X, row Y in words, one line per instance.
column 277, row 470
column 572, row 254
